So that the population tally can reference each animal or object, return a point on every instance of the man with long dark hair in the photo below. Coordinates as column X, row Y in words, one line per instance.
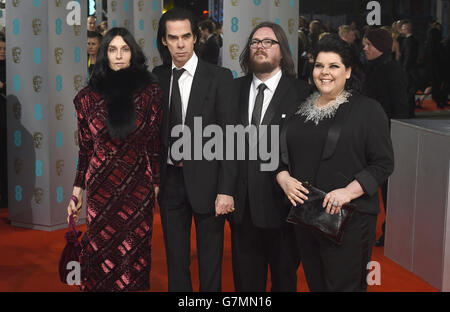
column 193, row 186
column 269, row 94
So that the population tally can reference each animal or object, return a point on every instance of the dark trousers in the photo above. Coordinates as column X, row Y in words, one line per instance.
column 384, row 189
column 255, row 249
column 176, row 219
column 332, row 267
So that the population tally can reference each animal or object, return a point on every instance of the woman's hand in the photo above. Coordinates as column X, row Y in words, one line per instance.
column 334, row 200
column 293, row 189
column 75, row 209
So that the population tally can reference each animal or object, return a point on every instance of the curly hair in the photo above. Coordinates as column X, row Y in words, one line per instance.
column 332, row 43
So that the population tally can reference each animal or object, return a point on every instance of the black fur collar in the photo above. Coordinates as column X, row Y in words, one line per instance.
column 118, row 89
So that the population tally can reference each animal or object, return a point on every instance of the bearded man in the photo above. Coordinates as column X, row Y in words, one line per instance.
column 261, row 237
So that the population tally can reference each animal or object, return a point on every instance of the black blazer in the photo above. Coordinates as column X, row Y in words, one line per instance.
column 409, row 53
column 265, row 198
column 212, row 98
column 386, row 82
column 210, row 51
column 363, row 152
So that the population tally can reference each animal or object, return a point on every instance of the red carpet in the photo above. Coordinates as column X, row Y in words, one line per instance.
column 29, row 261
column 429, row 105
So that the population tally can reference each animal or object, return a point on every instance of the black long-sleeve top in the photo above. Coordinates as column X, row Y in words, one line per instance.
column 364, row 151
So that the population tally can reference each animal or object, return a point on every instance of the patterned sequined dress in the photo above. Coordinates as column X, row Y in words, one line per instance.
column 119, row 178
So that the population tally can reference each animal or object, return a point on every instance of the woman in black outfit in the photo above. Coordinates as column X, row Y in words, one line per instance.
column 362, row 160
column 434, row 66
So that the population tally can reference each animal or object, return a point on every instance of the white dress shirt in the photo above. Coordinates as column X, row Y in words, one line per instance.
column 271, row 84
column 185, row 82
column 185, row 85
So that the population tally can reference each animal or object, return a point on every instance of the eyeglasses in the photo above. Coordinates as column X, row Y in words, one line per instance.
column 266, row 43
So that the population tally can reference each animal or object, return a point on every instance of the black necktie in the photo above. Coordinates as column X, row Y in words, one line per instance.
column 257, row 109
column 176, row 110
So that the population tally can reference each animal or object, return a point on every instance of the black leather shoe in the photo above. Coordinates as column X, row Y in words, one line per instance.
column 380, row 241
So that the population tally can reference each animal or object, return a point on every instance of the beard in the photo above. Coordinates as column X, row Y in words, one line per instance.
column 261, row 68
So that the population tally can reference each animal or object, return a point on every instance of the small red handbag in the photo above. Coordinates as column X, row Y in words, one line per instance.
column 71, row 251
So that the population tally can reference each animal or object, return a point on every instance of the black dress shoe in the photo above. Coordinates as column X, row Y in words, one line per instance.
column 380, row 241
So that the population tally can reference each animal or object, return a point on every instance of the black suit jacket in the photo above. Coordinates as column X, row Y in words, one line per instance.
column 265, row 198
column 211, row 98
column 409, row 53
column 210, row 51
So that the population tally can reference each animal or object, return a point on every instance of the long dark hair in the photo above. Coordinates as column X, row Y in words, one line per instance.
column 175, row 14
column 333, row 43
column 138, row 59
column 286, row 64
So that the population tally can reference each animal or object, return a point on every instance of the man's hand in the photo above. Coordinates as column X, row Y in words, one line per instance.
column 224, row 204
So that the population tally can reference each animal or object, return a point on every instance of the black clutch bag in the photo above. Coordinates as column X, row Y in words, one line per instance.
column 312, row 215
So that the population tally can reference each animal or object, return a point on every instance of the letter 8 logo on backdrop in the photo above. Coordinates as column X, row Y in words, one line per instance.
column 58, row 26
column 16, row 27
column 37, row 56
column 59, row 194
column 38, row 170
column 18, row 138
column 234, row 24
column 59, row 83
column 17, row 84
column 59, row 139
column 37, row 112
column 77, row 55
column 18, row 193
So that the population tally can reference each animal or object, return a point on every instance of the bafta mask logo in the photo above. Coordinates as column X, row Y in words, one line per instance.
column 60, row 167
column 58, row 3
column 155, row 24
column 234, row 2
column 77, row 30
column 37, row 26
column 114, row 6
column 277, row 3
column 126, row 23
column 59, row 52
column 155, row 61
column 234, row 50
column 256, row 21
column 59, row 111
column 17, row 110
column 15, row 3
column 38, row 194
column 77, row 82
column 141, row 5
column 141, row 43
column 75, row 137
column 18, row 164
column 38, row 137
column 291, row 25
column 37, row 83
column 17, row 54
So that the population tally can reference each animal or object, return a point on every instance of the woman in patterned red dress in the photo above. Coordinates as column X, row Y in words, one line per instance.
column 119, row 115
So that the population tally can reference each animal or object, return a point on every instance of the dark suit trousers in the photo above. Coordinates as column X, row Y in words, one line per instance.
column 330, row 267
column 176, row 219
column 255, row 249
